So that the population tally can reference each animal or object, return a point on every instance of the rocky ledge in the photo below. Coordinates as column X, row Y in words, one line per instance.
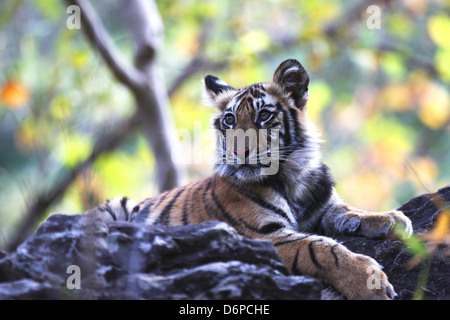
column 72, row 257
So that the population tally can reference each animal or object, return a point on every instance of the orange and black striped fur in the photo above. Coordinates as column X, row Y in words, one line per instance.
column 297, row 207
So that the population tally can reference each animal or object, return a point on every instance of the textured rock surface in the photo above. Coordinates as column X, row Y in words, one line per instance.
column 207, row 261
column 134, row 261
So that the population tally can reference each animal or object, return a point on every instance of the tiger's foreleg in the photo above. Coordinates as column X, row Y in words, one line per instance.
column 341, row 218
column 354, row 275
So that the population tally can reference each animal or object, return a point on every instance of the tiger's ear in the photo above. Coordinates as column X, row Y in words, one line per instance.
column 215, row 91
column 294, row 80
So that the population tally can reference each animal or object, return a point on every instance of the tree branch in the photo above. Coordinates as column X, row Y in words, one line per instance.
column 146, row 28
column 97, row 34
column 144, row 79
column 145, row 25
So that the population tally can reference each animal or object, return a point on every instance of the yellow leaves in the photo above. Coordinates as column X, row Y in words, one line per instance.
column 347, row 117
column 388, row 130
column 393, row 64
column 439, row 30
column 424, row 172
column 442, row 63
column 397, row 97
column 60, row 107
column 254, row 41
column 319, row 53
column 14, row 94
column 367, row 60
column 73, row 149
column 319, row 97
column 322, row 10
column 79, row 58
column 399, row 24
column 438, row 27
column 441, row 230
column 188, row 41
column 366, row 189
column 50, row 9
column 126, row 173
column 25, row 136
column 388, row 155
column 429, row 99
column 434, row 109
column 187, row 109
column 207, row 9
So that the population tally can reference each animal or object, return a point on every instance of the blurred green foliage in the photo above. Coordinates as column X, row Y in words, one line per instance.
column 379, row 96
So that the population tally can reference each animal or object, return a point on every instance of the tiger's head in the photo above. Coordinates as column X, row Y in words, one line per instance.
column 262, row 129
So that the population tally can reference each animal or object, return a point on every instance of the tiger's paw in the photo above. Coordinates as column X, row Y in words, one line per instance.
column 365, row 280
column 389, row 225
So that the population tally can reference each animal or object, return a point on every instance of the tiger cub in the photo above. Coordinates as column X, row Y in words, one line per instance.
column 272, row 185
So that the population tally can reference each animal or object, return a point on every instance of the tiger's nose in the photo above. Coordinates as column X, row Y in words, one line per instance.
column 242, row 153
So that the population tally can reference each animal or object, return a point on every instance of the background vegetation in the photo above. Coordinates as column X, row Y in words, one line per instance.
column 379, row 96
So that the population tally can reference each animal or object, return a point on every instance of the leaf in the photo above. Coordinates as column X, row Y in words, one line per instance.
column 14, row 95
column 388, row 130
column 79, row 58
column 25, row 136
column 50, row 9
column 365, row 59
column 438, row 27
column 399, row 24
column 425, row 170
column 397, row 97
column 74, row 149
column 206, row 9
column 394, row 66
column 126, row 173
column 441, row 228
column 442, row 63
column 414, row 245
column 60, row 107
column 434, row 106
column 319, row 98
column 255, row 41
column 360, row 183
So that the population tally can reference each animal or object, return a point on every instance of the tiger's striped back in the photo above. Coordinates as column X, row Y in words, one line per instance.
column 215, row 198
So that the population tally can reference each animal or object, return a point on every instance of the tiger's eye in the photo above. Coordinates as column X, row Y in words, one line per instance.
column 229, row 119
column 264, row 115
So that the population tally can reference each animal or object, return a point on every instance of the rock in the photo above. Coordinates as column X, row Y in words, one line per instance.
column 124, row 260
column 28, row 289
